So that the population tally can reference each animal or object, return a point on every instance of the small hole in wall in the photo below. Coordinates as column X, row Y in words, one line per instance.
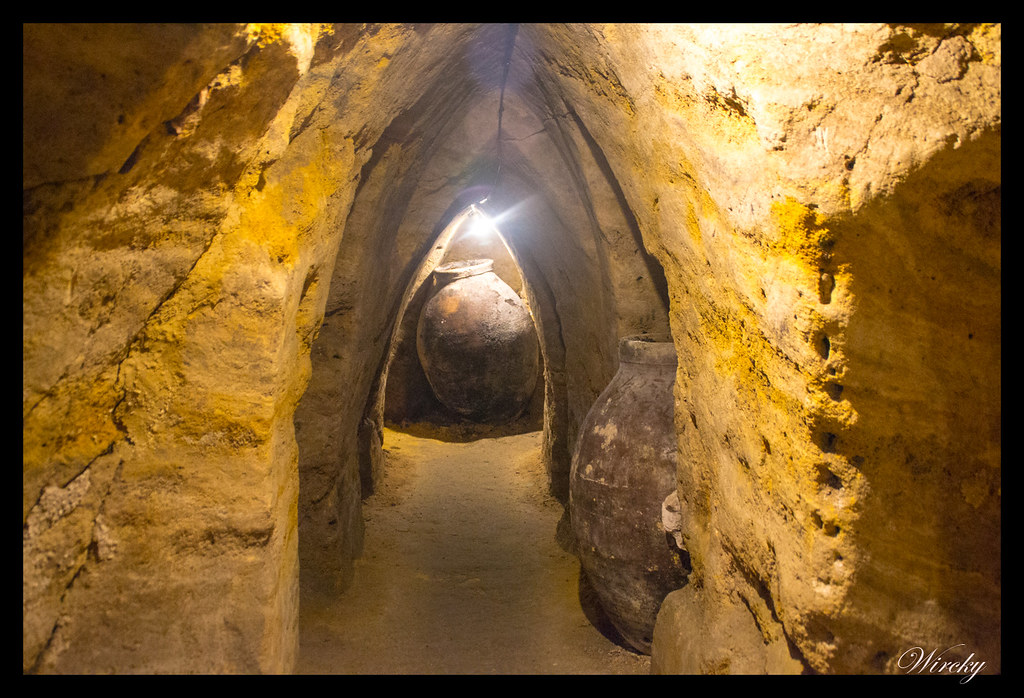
column 825, row 440
column 834, row 390
column 828, row 478
column 826, row 284
column 822, row 345
column 828, row 528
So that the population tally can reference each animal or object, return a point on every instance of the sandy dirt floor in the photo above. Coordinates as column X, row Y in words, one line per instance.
column 462, row 573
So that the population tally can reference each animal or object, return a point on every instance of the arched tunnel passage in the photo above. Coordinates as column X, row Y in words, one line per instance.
column 566, row 243
column 466, row 564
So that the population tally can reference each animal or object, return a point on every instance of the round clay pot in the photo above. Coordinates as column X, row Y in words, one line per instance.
column 623, row 467
column 477, row 343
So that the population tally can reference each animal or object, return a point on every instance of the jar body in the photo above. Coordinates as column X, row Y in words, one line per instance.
column 477, row 343
column 623, row 467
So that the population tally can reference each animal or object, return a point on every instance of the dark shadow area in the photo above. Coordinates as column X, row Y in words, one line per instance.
column 594, row 613
column 589, row 601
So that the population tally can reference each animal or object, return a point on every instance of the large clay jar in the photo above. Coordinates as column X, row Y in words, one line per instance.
column 477, row 343
column 623, row 468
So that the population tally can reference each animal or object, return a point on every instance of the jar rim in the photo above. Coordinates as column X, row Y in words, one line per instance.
column 450, row 271
column 657, row 349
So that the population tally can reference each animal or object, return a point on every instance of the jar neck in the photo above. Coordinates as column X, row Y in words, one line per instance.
column 446, row 273
column 650, row 350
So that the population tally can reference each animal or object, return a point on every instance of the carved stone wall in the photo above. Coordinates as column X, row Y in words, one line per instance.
column 222, row 222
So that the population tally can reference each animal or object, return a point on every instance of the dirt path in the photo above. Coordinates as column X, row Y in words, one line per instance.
column 461, row 573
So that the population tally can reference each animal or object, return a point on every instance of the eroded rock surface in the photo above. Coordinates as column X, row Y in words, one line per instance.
column 223, row 224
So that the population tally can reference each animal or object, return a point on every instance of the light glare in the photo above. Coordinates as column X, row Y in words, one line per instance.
column 480, row 226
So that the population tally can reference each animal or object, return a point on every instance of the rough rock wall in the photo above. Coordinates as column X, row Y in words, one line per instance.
column 807, row 189
column 170, row 302
column 126, row 259
column 824, row 201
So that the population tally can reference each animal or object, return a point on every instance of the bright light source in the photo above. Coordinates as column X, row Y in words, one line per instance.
column 496, row 221
column 480, row 225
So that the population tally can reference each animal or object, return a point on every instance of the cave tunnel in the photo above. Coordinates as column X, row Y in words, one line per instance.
column 229, row 231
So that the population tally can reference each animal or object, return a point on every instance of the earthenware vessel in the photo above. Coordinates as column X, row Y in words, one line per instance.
column 477, row 343
column 623, row 467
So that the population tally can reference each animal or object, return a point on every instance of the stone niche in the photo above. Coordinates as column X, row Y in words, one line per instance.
column 225, row 224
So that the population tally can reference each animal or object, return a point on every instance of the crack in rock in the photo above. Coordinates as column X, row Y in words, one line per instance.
column 55, row 503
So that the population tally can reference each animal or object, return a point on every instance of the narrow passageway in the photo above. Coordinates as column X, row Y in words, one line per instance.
column 461, row 573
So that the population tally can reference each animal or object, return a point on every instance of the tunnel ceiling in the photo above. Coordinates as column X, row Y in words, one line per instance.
column 467, row 66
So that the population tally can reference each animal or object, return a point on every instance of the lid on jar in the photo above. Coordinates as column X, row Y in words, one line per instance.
column 656, row 350
column 448, row 272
